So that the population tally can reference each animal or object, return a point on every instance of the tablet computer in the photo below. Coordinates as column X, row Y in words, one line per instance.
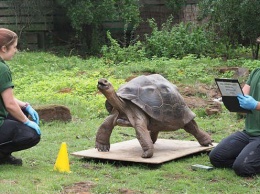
column 229, row 89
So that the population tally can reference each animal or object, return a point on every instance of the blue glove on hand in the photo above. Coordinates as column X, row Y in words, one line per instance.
column 33, row 113
column 247, row 102
column 34, row 126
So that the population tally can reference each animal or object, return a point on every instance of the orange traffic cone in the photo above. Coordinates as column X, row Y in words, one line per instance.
column 62, row 161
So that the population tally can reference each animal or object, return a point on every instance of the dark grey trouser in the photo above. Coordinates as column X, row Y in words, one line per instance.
column 238, row 151
column 16, row 136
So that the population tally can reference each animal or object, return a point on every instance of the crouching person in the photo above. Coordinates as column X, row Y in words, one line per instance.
column 17, row 132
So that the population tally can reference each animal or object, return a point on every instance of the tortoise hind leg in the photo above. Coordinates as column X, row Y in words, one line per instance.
column 123, row 123
column 203, row 138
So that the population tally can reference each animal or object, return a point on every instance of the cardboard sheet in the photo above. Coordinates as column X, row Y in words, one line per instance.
column 131, row 151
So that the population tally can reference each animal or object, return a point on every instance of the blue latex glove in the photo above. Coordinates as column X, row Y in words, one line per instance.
column 247, row 102
column 34, row 126
column 33, row 113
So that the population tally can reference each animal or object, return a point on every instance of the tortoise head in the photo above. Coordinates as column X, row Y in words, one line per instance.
column 105, row 86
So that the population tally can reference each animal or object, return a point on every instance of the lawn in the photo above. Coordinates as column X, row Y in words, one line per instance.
column 40, row 79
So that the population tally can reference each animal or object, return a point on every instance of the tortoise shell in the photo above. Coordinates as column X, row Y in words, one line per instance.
column 158, row 97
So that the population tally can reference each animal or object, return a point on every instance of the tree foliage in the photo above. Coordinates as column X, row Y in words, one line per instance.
column 83, row 12
column 235, row 21
column 87, row 16
column 250, row 23
column 86, row 12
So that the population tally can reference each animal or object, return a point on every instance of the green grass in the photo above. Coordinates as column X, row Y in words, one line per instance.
column 39, row 78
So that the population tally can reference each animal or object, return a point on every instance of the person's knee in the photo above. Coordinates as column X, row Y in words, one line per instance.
column 243, row 170
column 211, row 157
column 31, row 139
column 214, row 160
column 35, row 139
column 217, row 160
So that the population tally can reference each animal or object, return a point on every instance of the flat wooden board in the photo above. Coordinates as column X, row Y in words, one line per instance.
column 131, row 151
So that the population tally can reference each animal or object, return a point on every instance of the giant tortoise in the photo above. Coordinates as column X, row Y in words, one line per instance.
column 149, row 104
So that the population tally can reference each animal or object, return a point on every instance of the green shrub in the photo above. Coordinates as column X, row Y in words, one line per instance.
column 177, row 41
column 115, row 54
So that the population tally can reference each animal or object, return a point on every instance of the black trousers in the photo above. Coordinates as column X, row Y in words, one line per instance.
column 238, row 151
column 16, row 136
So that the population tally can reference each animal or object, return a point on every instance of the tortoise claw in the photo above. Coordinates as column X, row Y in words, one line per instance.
column 102, row 147
column 211, row 143
column 147, row 154
column 206, row 144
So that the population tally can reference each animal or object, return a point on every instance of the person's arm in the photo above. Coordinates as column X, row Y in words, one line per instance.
column 29, row 109
column 246, row 89
column 20, row 103
column 246, row 101
column 258, row 106
column 12, row 105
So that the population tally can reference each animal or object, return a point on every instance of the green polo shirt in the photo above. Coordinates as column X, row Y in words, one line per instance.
column 5, row 82
column 252, row 122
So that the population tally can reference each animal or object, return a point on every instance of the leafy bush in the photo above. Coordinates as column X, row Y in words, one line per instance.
column 87, row 18
column 177, row 41
column 114, row 53
column 234, row 21
column 172, row 41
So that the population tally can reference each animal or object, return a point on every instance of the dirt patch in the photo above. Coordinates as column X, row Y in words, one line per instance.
column 128, row 191
column 199, row 96
column 53, row 112
column 78, row 188
column 84, row 188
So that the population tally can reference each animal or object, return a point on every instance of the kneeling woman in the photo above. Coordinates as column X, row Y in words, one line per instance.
column 241, row 150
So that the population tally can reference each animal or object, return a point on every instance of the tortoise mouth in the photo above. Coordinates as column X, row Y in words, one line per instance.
column 103, row 84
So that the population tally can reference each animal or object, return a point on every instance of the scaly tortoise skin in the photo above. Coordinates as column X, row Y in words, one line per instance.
column 149, row 104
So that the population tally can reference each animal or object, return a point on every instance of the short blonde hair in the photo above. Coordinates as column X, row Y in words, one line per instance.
column 7, row 37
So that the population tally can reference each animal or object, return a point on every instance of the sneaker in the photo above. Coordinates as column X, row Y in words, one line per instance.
column 11, row 160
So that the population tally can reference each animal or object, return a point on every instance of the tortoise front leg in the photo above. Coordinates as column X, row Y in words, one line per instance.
column 145, row 141
column 203, row 138
column 154, row 135
column 143, row 135
column 104, row 132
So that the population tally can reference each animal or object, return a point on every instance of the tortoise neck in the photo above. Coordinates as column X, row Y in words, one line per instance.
column 115, row 101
